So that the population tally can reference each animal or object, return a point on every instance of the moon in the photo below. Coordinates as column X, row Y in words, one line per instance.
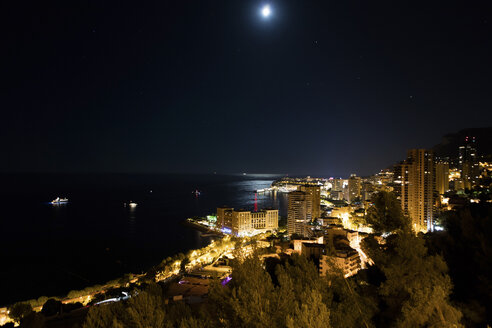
column 266, row 11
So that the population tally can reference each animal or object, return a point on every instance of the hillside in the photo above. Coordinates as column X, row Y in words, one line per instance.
column 450, row 142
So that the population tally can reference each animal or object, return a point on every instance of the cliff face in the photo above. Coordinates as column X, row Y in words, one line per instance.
column 450, row 142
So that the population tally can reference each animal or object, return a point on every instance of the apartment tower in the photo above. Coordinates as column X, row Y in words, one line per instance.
column 314, row 193
column 298, row 213
column 442, row 177
column 421, row 186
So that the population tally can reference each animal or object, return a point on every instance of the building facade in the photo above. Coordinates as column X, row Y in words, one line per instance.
column 354, row 188
column 304, row 205
column 416, row 178
column 247, row 223
column 442, row 177
column 346, row 260
column 224, row 217
column 468, row 163
column 298, row 212
column 314, row 193
column 401, row 185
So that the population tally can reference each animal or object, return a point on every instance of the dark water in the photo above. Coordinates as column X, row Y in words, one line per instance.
column 50, row 250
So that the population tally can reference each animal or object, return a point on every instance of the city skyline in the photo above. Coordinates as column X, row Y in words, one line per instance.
column 246, row 164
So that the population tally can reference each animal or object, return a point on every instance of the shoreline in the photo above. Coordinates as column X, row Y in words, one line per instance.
column 202, row 228
column 167, row 269
column 135, row 277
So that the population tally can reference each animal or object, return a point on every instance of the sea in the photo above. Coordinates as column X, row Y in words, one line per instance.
column 48, row 250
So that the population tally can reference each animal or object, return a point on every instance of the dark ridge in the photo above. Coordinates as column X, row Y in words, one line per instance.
column 451, row 142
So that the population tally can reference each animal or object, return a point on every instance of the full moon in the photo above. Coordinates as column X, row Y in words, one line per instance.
column 266, row 11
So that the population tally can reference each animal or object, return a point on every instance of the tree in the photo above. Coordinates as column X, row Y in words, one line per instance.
column 251, row 299
column 466, row 246
column 351, row 305
column 146, row 310
column 252, row 295
column 33, row 320
column 312, row 313
column 416, row 288
column 19, row 311
column 385, row 215
column 51, row 307
column 106, row 316
column 192, row 322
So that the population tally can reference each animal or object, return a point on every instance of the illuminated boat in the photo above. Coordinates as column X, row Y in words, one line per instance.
column 132, row 204
column 59, row 200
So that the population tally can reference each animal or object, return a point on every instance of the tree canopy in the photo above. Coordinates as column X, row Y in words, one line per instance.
column 466, row 245
column 415, row 288
column 385, row 215
column 19, row 311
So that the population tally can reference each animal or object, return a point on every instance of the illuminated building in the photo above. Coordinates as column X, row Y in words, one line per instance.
column 246, row 223
column 298, row 243
column 304, row 206
column 421, row 189
column 224, row 217
column 367, row 191
column 299, row 212
column 347, row 260
column 337, row 184
column 354, row 187
column 243, row 222
column 351, row 237
column 468, row 164
column 337, row 187
column 416, row 179
column 342, row 258
column 384, row 177
column 313, row 192
column 401, row 182
column 343, row 213
column 442, row 177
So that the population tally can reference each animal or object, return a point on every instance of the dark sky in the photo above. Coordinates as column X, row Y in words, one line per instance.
column 320, row 87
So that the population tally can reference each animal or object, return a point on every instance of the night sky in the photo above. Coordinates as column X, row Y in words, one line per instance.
column 319, row 87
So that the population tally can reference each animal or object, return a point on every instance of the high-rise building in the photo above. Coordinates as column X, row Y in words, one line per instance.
column 313, row 192
column 304, row 206
column 299, row 212
column 354, row 188
column 421, row 186
column 224, row 217
column 401, row 185
column 337, row 184
column 442, row 177
column 468, row 163
column 416, row 179
column 367, row 190
column 339, row 188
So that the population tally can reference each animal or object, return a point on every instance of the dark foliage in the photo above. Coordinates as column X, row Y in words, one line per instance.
column 19, row 311
column 413, row 286
column 51, row 307
column 466, row 246
column 385, row 215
